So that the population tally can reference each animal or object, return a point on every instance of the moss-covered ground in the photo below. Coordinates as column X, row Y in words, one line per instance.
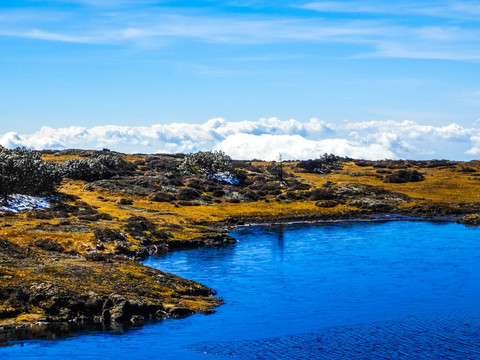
column 78, row 261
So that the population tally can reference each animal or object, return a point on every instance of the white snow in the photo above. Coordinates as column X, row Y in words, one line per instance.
column 225, row 177
column 19, row 203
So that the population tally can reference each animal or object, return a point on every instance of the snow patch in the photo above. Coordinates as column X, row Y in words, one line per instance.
column 18, row 202
column 225, row 177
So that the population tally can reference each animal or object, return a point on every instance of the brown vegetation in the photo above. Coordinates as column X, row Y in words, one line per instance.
column 78, row 260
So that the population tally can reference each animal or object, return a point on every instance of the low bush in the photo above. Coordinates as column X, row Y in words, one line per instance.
column 23, row 171
column 161, row 196
column 207, row 163
column 99, row 166
column 323, row 165
column 188, row 194
column 403, row 176
column 322, row 194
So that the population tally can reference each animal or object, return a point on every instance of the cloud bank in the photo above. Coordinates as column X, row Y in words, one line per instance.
column 267, row 139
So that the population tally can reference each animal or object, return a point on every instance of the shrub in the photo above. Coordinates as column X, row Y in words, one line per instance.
column 322, row 165
column 276, row 169
column 207, row 163
column 322, row 194
column 188, row 194
column 99, row 166
column 124, row 201
column 161, row 196
column 297, row 185
column 23, row 171
column 161, row 163
column 403, row 176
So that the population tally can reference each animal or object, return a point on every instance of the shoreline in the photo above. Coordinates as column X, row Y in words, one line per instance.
column 65, row 329
column 78, row 261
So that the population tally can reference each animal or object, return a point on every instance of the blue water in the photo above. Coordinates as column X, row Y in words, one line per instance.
column 361, row 290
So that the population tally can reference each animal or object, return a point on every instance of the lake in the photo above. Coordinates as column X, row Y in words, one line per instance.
column 347, row 290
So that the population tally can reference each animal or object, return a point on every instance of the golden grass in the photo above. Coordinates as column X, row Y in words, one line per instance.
column 440, row 186
column 56, row 158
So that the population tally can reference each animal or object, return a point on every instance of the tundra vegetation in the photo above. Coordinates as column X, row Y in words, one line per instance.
column 78, row 261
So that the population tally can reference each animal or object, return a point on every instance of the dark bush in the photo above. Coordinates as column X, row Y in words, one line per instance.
column 440, row 163
column 252, row 195
column 403, row 176
column 196, row 184
column 323, row 193
column 95, row 217
column 49, row 245
column 218, row 193
column 137, row 225
column 467, row 169
column 364, row 163
column 297, row 185
column 23, row 171
column 99, row 166
column 293, row 195
column 161, row 196
column 160, row 236
column 325, row 164
column 124, row 201
column 162, row 164
column 390, row 164
column 188, row 194
column 108, row 235
column 276, row 169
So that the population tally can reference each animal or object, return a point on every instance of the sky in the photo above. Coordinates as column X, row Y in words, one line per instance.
column 255, row 78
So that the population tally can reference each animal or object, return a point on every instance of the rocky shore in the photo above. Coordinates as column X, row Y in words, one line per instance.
column 78, row 261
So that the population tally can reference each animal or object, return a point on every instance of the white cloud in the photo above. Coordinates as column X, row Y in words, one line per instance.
column 267, row 139
column 293, row 147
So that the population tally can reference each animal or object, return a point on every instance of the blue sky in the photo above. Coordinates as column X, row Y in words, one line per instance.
column 88, row 63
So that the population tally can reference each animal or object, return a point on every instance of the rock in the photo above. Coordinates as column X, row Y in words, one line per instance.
column 377, row 205
column 471, row 219
column 118, row 309
column 179, row 312
column 206, row 240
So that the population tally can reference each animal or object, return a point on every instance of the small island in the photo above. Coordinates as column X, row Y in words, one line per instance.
column 77, row 258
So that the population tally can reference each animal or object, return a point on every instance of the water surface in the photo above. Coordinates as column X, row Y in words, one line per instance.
column 360, row 290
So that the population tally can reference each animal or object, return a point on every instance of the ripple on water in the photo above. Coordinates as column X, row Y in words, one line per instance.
column 437, row 336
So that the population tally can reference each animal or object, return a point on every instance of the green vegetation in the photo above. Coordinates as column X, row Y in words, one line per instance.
column 99, row 166
column 80, row 257
column 23, row 171
column 207, row 163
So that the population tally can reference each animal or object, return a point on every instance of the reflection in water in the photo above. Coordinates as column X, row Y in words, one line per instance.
column 62, row 331
column 279, row 245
